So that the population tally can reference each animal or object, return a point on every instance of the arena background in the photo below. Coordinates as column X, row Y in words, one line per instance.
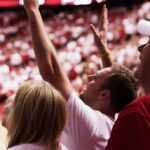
column 67, row 23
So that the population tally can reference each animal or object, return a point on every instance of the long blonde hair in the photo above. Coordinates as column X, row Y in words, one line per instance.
column 38, row 115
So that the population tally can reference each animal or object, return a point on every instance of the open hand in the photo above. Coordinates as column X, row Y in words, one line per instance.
column 100, row 35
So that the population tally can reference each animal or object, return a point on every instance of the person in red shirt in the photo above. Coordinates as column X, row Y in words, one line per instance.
column 132, row 129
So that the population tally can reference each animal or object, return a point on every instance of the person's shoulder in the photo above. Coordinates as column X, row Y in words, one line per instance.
column 140, row 106
column 103, row 117
column 145, row 100
column 73, row 95
column 74, row 98
column 63, row 147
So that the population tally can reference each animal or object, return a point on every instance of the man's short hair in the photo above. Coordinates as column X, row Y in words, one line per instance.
column 122, row 85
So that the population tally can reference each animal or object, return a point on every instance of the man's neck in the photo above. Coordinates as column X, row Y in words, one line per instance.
column 107, row 112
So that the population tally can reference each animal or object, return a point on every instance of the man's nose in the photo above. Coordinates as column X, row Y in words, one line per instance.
column 140, row 48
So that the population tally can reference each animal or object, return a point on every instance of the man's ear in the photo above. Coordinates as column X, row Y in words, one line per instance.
column 105, row 94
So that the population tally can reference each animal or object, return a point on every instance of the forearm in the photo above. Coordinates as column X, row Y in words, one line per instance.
column 42, row 45
column 46, row 56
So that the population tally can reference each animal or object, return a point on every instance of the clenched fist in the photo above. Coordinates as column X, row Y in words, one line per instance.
column 31, row 4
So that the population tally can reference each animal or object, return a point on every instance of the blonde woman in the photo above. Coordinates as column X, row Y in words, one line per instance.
column 37, row 118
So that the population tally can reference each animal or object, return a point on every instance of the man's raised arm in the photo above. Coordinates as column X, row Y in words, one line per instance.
column 48, row 63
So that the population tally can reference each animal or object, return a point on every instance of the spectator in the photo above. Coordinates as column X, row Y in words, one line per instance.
column 132, row 129
column 37, row 117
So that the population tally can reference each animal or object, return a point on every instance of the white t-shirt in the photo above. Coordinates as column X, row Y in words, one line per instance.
column 86, row 129
column 31, row 147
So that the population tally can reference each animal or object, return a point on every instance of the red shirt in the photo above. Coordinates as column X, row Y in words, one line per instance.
column 132, row 129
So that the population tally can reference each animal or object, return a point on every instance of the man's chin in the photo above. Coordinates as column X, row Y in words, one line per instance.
column 81, row 95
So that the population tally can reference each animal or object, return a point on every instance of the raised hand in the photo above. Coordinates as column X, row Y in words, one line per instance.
column 31, row 4
column 100, row 38
column 100, row 35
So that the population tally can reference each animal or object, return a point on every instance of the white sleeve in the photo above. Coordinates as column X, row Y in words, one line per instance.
column 83, row 121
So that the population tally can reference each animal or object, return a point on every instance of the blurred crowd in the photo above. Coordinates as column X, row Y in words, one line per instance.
column 70, row 33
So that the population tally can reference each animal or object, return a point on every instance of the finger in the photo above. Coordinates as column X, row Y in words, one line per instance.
column 93, row 29
column 103, row 18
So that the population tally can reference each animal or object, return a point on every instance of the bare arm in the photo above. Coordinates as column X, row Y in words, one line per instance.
column 48, row 63
column 100, row 38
